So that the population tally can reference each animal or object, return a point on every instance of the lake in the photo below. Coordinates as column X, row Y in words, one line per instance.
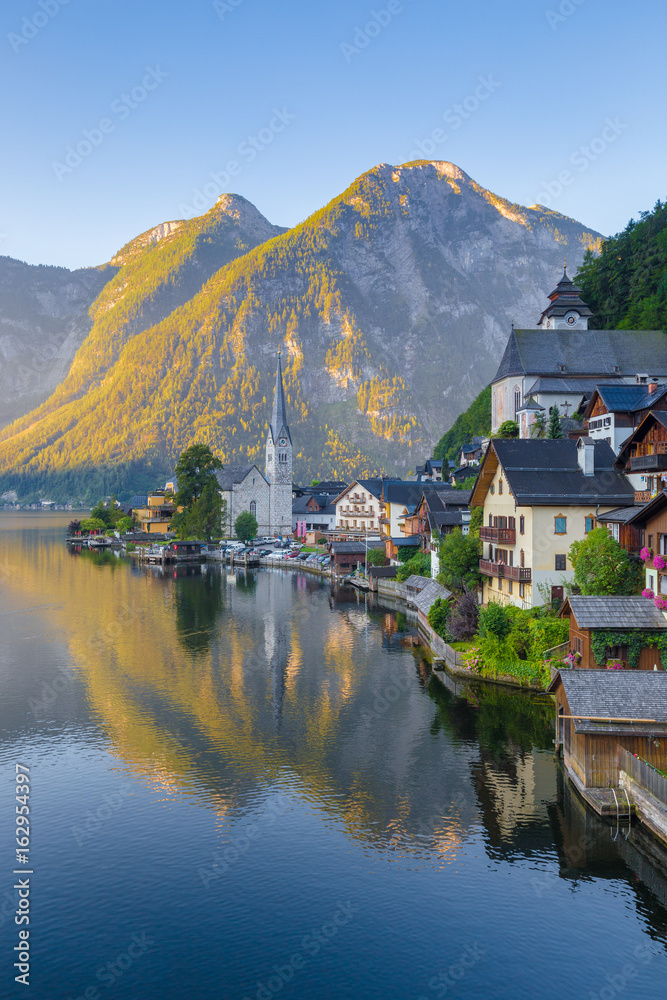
column 250, row 786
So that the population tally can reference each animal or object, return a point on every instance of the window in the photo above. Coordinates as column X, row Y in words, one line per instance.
column 492, row 488
column 490, row 520
column 590, row 522
column 253, row 508
column 500, row 487
column 517, row 400
column 560, row 525
column 522, row 524
column 500, row 583
column 650, row 541
column 522, row 558
column 522, row 590
column 560, row 563
column 510, row 586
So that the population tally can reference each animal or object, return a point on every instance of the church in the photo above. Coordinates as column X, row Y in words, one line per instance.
column 268, row 495
column 561, row 362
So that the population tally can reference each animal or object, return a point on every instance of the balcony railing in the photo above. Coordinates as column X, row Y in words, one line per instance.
column 520, row 573
column 489, row 534
column 648, row 463
column 643, row 496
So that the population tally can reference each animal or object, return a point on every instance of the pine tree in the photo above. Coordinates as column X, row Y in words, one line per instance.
column 538, row 428
column 555, row 429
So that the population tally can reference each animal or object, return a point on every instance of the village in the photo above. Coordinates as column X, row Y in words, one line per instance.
column 537, row 558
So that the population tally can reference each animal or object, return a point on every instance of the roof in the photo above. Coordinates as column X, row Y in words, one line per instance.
column 642, row 428
column 565, row 296
column 234, row 474
column 139, row 501
column 615, row 612
column 427, row 597
column 547, row 472
column 349, row 548
column 584, row 352
column 644, row 514
column 403, row 541
column 416, row 582
column 468, row 449
column 615, row 694
column 279, row 412
column 577, row 386
column 629, row 398
column 621, row 515
column 445, row 519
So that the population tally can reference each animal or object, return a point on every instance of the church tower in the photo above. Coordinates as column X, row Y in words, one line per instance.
column 279, row 461
column 566, row 309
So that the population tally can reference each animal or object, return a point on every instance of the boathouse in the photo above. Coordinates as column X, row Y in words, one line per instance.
column 632, row 627
column 599, row 710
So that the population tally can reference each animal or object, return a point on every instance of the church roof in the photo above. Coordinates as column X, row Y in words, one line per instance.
column 593, row 353
column 232, row 475
column 279, row 413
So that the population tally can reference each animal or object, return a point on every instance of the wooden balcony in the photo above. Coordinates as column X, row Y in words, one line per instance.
column 520, row 573
column 488, row 534
column 648, row 463
column 643, row 496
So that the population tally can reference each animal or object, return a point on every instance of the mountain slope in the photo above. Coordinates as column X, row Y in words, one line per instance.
column 43, row 322
column 392, row 306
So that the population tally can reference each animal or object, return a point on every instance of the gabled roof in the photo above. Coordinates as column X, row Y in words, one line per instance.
column 547, row 472
column 141, row 500
column 615, row 694
column 407, row 493
column 647, row 422
column 416, row 582
column 621, row 515
column 614, row 612
column 584, row 352
column 232, row 475
column 351, row 548
column 644, row 514
column 628, row 398
column 428, row 596
column 445, row 499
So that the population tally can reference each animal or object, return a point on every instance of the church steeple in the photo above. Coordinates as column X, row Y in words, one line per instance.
column 279, row 427
column 279, row 460
column 566, row 309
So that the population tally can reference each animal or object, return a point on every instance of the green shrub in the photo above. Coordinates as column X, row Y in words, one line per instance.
column 437, row 617
column 495, row 621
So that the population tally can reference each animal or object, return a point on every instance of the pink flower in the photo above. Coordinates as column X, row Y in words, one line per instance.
column 659, row 562
column 645, row 554
column 648, row 593
column 660, row 603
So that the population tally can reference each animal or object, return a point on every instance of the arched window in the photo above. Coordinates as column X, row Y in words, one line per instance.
column 253, row 508
column 517, row 400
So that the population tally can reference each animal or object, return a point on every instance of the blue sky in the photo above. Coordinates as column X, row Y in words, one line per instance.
column 559, row 101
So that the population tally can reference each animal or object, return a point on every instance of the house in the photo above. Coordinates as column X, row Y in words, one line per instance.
column 153, row 512
column 313, row 513
column 619, row 523
column 650, row 521
column 346, row 555
column 440, row 512
column 471, row 454
column 562, row 362
column 614, row 411
column 399, row 500
column 462, row 473
column 643, row 456
column 358, row 507
column 591, row 617
column 431, row 470
column 538, row 497
column 599, row 710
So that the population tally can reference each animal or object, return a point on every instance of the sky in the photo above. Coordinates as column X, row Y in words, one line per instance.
column 119, row 115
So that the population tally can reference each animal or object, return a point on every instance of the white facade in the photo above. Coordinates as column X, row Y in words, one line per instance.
column 358, row 510
column 251, row 493
column 279, row 462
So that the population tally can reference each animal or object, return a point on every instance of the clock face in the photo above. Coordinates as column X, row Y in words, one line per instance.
column 571, row 319
column 282, row 442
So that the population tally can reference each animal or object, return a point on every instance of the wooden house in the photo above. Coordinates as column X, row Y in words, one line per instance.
column 599, row 710
column 632, row 615
column 643, row 456
column 613, row 411
column 621, row 526
column 346, row 555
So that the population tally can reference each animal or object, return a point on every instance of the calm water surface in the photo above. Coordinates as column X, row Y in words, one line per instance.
column 247, row 786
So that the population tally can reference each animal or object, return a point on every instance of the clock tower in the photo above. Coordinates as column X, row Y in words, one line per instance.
column 566, row 309
column 279, row 461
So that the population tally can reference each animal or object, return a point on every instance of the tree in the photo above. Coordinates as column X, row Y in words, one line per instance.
column 495, row 621
column 538, row 428
column 376, row 557
column 459, row 561
column 463, row 619
column 200, row 507
column 508, row 429
column 418, row 565
column 476, row 521
column 555, row 428
column 93, row 524
column 124, row 525
column 437, row 616
column 245, row 526
column 467, row 484
column 602, row 567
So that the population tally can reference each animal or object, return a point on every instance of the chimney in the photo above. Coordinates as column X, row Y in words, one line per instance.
column 653, row 385
column 586, row 455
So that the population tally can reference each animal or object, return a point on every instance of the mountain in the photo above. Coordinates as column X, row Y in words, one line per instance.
column 392, row 306
column 43, row 322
